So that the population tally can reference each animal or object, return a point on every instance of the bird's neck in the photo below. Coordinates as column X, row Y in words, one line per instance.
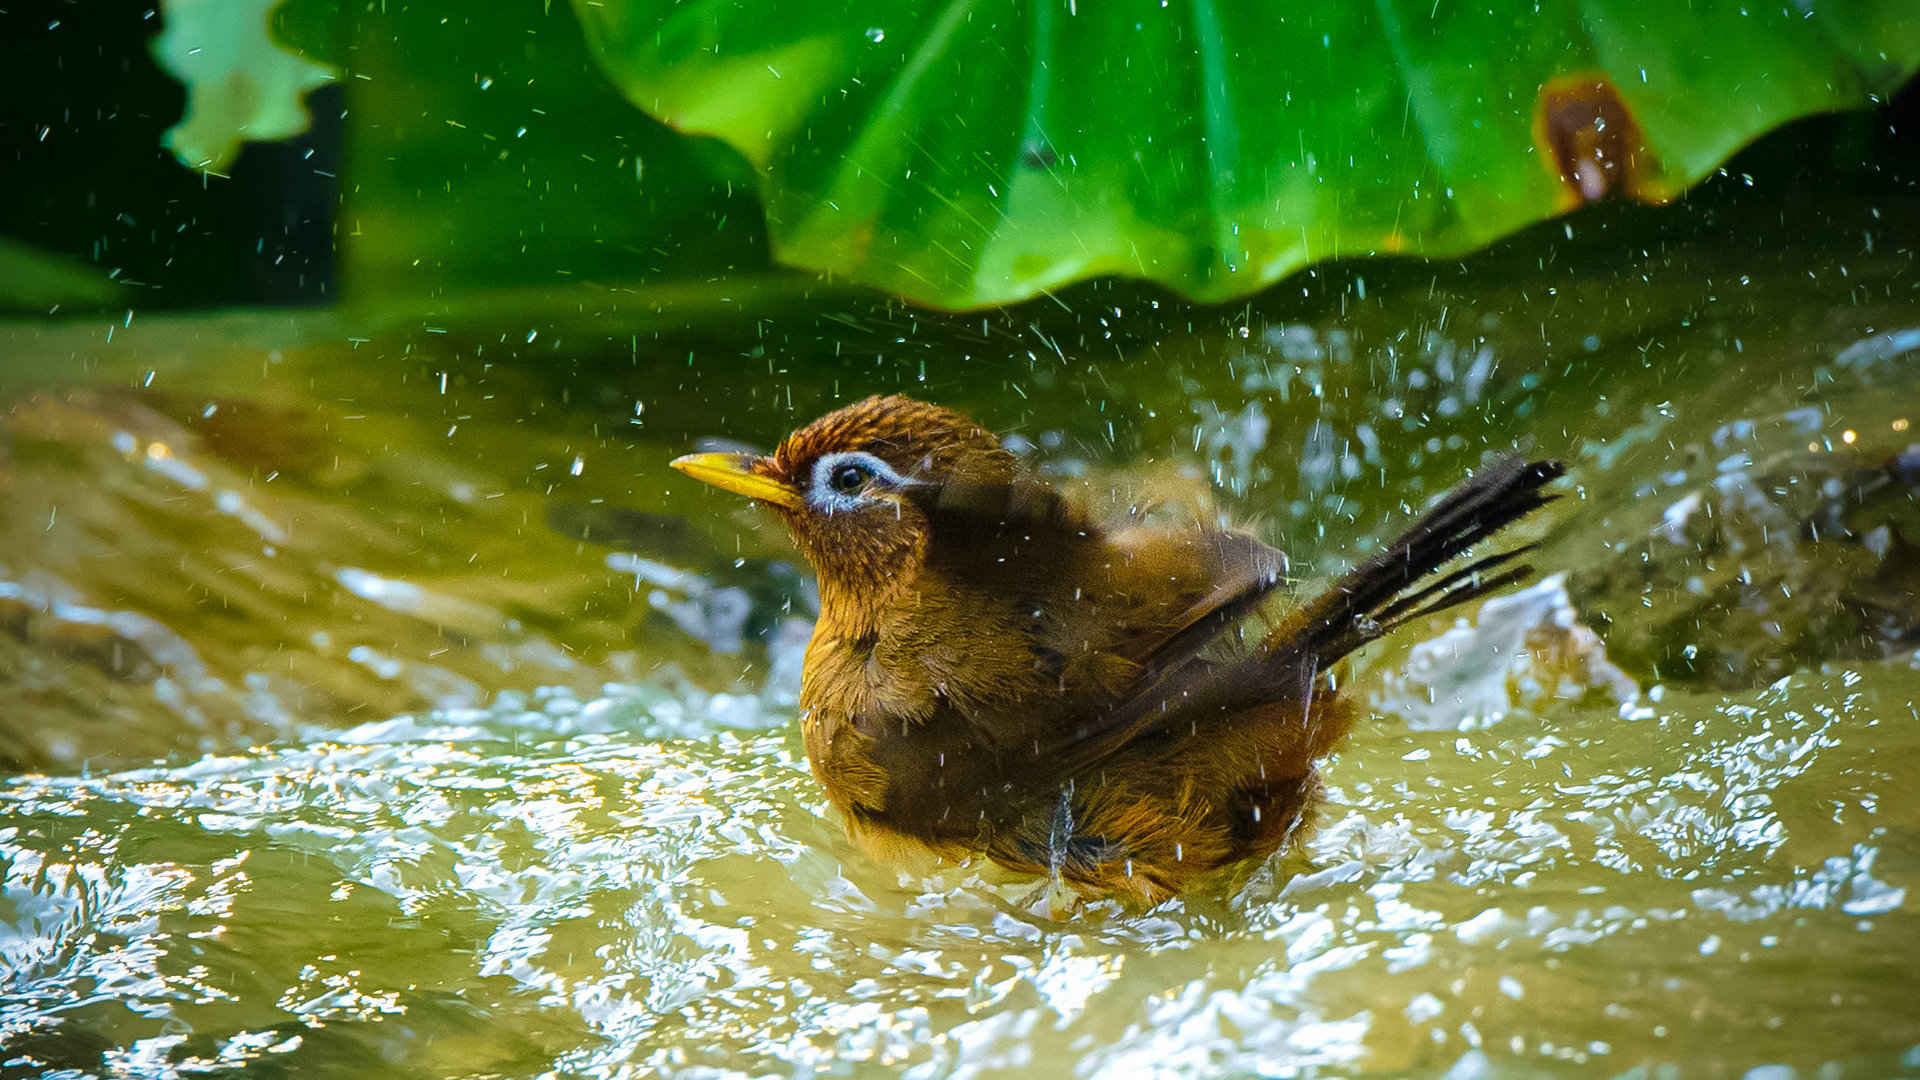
column 853, row 608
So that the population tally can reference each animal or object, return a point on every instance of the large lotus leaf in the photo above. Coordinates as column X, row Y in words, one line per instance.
column 979, row 151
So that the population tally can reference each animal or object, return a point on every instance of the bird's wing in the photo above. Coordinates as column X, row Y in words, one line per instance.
column 1214, row 578
column 1176, row 685
column 1233, row 574
column 1125, row 608
column 1367, row 602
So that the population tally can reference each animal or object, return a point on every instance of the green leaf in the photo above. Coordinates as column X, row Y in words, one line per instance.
column 976, row 152
column 36, row 281
column 241, row 87
column 487, row 151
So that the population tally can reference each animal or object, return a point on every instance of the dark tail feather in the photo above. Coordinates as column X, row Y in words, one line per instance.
column 1372, row 599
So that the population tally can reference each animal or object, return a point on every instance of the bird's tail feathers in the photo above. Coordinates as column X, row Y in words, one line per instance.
column 1377, row 596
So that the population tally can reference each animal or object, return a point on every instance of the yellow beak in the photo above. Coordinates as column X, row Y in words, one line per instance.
column 734, row 472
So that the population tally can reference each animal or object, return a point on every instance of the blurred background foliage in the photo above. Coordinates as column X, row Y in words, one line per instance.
column 955, row 156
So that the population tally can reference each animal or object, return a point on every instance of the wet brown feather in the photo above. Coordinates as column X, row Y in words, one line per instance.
column 994, row 672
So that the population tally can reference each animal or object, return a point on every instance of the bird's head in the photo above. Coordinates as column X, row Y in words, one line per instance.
column 854, row 485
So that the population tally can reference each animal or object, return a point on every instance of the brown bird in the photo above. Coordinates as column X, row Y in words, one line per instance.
column 995, row 672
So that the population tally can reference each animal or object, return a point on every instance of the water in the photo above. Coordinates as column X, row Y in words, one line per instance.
column 377, row 702
column 1707, row 881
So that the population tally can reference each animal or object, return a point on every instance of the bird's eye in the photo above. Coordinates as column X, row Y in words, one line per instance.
column 849, row 477
column 844, row 480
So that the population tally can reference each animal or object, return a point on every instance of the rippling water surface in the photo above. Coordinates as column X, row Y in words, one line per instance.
column 1707, row 881
column 377, row 704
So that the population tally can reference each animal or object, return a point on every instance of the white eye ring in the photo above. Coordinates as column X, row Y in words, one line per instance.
column 841, row 481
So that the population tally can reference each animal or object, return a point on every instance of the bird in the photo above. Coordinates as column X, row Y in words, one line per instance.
column 999, row 670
